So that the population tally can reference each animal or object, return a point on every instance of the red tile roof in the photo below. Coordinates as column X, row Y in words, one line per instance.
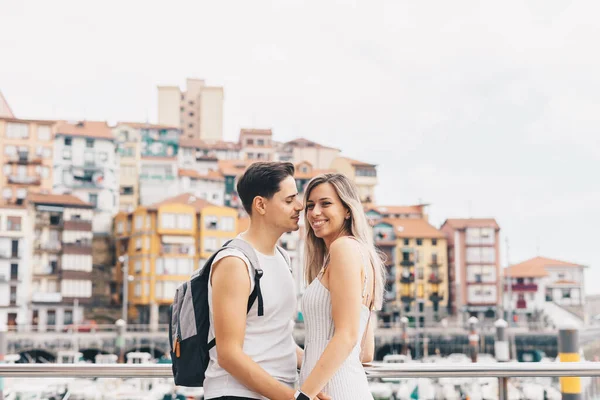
column 412, row 228
column 57, row 199
column 394, row 210
column 211, row 175
column 357, row 163
column 201, row 144
column 265, row 132
column 303, row 143
column 186, row 198
column 91, row 129
column 147, row 125
column 536, row 267
column 462, row 223
column 234, row 167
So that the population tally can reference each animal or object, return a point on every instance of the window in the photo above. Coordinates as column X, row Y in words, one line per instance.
column 47, row 152
column 137, row 266
column 51, row 318
column 420, row 273
column 17, row 130
column 68, row 318
column 148, row 222
column 7, row 193
column 138, row 244
column 137, row 291
column 147, row 244
column 21, row 193
column 249, row 142
column 481, row 254
column 227, row 224
column 210, row 222
column 566, row 293
column 260, row 142
column 434, row 242
column 167, row 221
column 406, row 242
column 89, row 143
column 93, row 199
column 14, row 272
column 210, row 244
column 45, row 172
column 68, row 141
column 126, row 190
column 7, row 169
column 66, row 154
column 419, row 242
column 103, row 156
column 10, row 150
column 43, row 133
column 13, row 224
column 184, row 221
column 139, row 220
column 190, row 125
column 120, row 227
column 191, row 113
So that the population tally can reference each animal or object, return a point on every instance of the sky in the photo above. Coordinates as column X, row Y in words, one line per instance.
column 481, row 109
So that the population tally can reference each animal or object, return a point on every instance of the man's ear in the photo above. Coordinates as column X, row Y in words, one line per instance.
column 259, row 204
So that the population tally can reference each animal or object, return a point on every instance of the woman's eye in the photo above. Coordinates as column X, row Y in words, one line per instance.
column 310, row 207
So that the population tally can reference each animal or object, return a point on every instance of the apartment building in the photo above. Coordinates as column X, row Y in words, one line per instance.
column 198, row 110
column 160, row 245
column 61, row 278
column 25, row 158
column 300, row 150
column 129, row 148
column 86, row 165
column 363, row 174
column 257, row 145
column 417, row 269
column 159, row 152
column 15, row 264
column 474, row 267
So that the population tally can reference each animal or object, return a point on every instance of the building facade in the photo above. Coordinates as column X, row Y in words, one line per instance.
column 198, row 110
column 417, row 269
column 129, row 148
column 86, row 164
column 61, row 280
column 15, row 264
column 300, row 150
column 257, row 145
column 162, row 244
column 474, row 273
column 25, row 157
column 364, row 175
column 540, row 280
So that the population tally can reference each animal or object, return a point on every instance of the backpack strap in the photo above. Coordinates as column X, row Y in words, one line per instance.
column 248, row 251
column 286, row 256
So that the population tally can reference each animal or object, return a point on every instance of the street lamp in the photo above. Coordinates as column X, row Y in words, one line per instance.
column 124, row 260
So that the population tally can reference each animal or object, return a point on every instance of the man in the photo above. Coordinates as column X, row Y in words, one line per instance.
column 255, row 357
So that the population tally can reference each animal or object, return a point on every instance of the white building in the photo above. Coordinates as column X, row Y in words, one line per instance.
column 257, row 145
column 299, row 150
column 541, row 284
column 15, row 264
column 209, row 186
column 87, row 166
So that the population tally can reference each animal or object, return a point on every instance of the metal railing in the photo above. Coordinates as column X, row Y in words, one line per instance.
column 502, row 371
column 375, row 370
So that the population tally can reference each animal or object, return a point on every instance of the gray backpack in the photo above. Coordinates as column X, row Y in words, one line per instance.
column 190, row 322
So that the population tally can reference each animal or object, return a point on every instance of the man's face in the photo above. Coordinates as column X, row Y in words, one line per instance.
column 283, row 209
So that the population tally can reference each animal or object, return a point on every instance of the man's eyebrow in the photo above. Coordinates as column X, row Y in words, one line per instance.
column 292, row 195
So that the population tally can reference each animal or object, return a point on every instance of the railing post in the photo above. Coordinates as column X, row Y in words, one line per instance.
column 404, row 328
column 120, row 341
column 502, row 354
column 473, row 338
column 568, row 349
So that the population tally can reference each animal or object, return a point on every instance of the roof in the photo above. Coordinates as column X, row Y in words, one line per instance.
column 357, row 163
column 389, row 210
column 5, row 110
column 413, row 228
column 58, row 199
column 91, row 129
column 234, row 167
column 312, row 173
column 186, row 198
column 265, row 132
column 147, row 125
column 536, row 267
column 210, row 176
column 201, row 144
column 462, row 223
column 303, row 143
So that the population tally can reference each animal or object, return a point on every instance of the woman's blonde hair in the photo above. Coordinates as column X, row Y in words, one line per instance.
column 357, row 226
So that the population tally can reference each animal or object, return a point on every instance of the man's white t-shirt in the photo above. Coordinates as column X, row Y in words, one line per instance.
column 269, row 338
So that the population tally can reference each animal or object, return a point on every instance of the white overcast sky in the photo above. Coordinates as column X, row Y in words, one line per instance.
column 483, row 109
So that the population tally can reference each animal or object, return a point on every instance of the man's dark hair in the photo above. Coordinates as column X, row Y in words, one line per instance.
column 262, row 179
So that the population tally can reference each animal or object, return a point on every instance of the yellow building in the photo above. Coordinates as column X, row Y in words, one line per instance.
column 417, row 268
column 160, row 246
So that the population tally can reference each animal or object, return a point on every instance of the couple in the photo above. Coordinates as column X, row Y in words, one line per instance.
column 256, row 357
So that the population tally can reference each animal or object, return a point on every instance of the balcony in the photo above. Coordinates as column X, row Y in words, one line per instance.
column 435, row 278
column 24, row 180
column 522, row 287
column 38, row 297
column 84, row 248
column 436, row 297
column 24, row 158
column 78, row 225
column 48, row 245
column 407, row 277
column 407, row 298
column 8, row 255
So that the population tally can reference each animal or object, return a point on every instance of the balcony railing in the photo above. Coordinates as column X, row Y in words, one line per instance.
column 24, row 158
column 24, row 180
column 523, row 287
column 435, row 278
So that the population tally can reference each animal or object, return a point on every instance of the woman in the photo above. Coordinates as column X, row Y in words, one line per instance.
column 345, row 276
